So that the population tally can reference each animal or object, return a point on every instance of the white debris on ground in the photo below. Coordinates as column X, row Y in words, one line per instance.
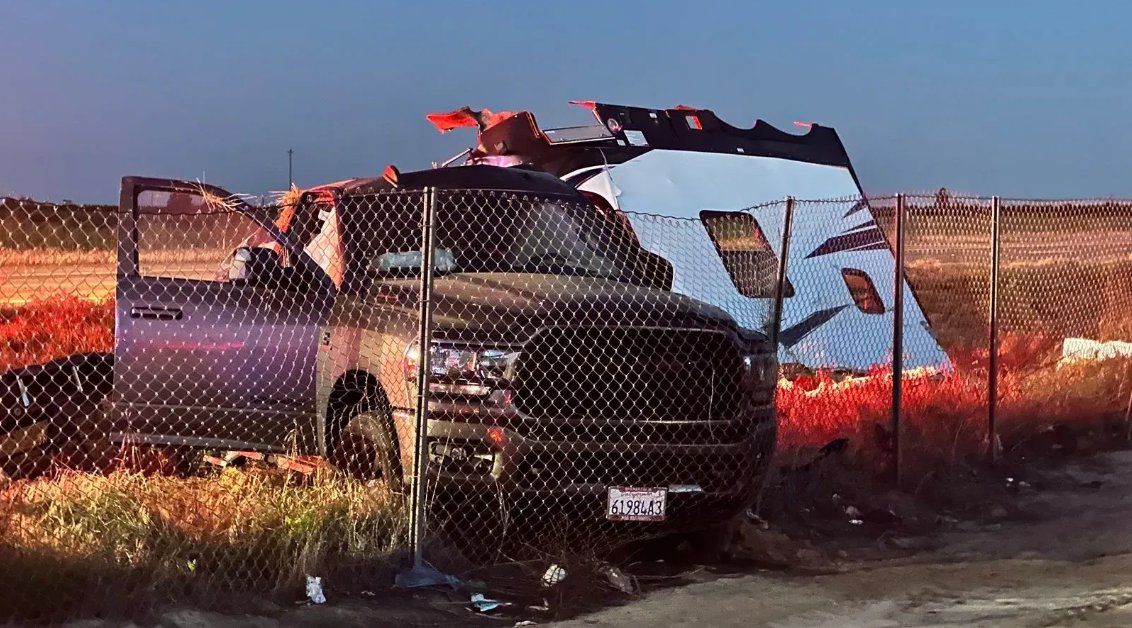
column 314, row 590
column 1074, row 350
column 554, row 574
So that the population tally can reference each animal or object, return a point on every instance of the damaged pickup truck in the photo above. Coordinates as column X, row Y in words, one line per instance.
column 562, row 363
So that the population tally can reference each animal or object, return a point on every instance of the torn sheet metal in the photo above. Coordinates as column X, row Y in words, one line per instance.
column 685, row 161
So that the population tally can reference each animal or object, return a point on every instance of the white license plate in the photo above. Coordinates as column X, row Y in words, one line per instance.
column 636, row 504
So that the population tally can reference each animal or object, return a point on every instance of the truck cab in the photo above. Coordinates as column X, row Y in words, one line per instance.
column 561, row 361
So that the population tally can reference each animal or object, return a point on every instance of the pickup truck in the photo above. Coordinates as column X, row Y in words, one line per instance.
column 562, row 364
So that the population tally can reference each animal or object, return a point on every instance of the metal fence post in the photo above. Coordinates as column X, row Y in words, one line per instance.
column 898, row 339
column 420, row 460
column 992, row 367
column 780, row 287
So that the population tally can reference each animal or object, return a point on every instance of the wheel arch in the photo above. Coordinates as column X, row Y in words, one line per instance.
column 354, row 389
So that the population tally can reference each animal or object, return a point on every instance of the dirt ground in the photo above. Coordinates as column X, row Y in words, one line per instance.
column 1062, row 557
column 1058, row 552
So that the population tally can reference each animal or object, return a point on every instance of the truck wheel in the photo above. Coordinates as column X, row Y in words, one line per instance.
column 86, row 446
column 711, row 545
column 366, row 449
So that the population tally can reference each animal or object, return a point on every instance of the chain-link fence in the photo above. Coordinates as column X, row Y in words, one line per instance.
column 204, row 395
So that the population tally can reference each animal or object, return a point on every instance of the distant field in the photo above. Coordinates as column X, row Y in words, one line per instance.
column 1066, row 269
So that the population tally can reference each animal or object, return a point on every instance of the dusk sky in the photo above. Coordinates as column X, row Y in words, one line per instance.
column 1019, row 99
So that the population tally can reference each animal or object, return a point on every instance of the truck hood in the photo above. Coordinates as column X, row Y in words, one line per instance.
column 511, row 306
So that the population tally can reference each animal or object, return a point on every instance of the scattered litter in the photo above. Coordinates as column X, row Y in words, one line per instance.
column 757, row 520
column 484, row 605
column 369, row 594
column 618, row 579
column 314, row 590
column 424, row 575
column 525, row 622
column 545, row 608
column 856, row 522
column 554, row 574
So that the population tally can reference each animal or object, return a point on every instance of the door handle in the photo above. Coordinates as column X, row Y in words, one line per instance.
column 156, row 312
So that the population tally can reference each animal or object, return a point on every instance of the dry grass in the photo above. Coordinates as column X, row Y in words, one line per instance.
column 227, row 532
column 945, row 416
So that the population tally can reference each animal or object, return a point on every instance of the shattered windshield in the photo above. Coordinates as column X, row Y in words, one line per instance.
column 479, row 234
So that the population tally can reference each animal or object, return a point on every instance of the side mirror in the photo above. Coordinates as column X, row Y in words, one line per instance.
column 255, row 265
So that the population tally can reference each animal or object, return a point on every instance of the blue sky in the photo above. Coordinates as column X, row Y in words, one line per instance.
column 1014, row 98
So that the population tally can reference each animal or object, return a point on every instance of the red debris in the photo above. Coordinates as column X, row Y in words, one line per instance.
column 466, row 117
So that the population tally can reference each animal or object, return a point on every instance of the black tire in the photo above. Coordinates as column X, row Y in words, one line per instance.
column 86, row 446
column 366, row 448
column 712, row 544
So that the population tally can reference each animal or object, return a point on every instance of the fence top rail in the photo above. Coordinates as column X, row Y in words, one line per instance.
column 918, row 201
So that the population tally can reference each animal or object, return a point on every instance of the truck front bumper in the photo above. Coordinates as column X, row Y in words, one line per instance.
column 473, row 453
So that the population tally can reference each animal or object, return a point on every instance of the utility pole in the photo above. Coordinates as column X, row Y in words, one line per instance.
column 290, row 171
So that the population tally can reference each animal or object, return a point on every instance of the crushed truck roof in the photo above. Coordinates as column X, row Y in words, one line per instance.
column 478, row 177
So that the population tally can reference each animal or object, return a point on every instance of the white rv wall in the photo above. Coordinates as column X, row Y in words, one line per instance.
column 682, row 183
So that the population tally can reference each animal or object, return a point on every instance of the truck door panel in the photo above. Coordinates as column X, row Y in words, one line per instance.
column 201, row 358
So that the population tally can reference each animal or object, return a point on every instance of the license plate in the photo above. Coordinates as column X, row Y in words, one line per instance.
column 636, row 504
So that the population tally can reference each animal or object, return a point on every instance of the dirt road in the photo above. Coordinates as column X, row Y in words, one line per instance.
column 1070, row 565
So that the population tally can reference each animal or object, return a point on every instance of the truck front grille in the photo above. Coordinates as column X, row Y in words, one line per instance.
column 611, row 375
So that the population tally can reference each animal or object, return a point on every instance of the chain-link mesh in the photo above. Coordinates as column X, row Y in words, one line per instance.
column 203, row 395
column 167, row 434
column 948, row 268
column 836, row 335
column 1065, row 303
column 581, row 394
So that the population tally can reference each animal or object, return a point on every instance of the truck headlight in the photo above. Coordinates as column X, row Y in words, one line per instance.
column 455, row 370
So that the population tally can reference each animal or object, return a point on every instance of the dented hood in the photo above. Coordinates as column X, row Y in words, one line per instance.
column 514, row 305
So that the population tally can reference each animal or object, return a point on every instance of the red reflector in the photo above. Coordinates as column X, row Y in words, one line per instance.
column 496, row 436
